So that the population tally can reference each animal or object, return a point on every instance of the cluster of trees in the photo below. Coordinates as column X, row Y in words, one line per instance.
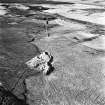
column 35, row 1
column 21, row 1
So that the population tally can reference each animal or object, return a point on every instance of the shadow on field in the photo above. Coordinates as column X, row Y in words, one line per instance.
column 15, row 50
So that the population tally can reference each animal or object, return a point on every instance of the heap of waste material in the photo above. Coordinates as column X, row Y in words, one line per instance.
column 41, row 62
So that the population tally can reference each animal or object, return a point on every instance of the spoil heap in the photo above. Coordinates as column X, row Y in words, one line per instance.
column 41, row 63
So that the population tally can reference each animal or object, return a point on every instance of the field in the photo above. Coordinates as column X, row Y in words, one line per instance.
column 74, row 36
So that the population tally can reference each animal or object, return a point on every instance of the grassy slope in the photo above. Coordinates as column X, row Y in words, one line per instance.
column 15, row 50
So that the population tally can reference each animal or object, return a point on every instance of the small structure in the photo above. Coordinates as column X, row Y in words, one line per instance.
column 41, row 62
